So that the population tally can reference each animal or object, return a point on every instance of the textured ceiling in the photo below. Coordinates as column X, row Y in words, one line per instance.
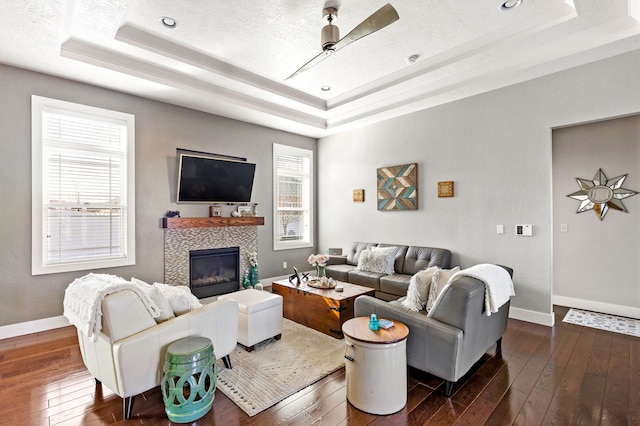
column 233, row 58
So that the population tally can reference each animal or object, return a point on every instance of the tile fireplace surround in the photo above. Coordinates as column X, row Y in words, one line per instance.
column 182, row 235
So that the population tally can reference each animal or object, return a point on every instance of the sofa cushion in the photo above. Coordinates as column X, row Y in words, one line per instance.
column 439, row 281
column 395, row 284
column 419, row 258
column 378, row 259
column 166, row 312
column 180, row 298
column 365, row 278
column 339, row 272
column 418, row 291
column 356, row 249
column 401, row 253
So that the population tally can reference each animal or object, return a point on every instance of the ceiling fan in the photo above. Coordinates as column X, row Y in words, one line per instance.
column 331, row 41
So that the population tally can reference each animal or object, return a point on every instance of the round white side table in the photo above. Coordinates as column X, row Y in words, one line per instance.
column 376, row 366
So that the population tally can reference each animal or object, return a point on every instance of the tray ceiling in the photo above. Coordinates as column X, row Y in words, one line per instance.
column 232, row 58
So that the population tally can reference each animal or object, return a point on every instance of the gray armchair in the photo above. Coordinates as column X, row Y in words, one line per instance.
column 454, row 338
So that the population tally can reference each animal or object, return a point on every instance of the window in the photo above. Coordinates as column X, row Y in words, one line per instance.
column 293, row 202
column 82, row 187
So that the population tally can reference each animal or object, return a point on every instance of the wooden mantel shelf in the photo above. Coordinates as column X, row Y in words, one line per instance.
column 210, row 222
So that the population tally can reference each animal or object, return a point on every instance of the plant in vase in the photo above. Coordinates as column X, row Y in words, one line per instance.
column 253, row 268
column 319, row 261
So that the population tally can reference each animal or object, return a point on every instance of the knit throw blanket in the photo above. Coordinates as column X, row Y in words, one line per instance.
column 497, row 282
column 83, row 301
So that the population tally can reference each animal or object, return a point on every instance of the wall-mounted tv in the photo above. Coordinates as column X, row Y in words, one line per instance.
column 203, row 179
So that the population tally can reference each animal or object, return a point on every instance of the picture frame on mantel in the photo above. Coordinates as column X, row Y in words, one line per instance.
column 215, row 211
column 245, row 211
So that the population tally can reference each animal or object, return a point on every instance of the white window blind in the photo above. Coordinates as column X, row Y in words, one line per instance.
column 293, row 191
column 85, row 202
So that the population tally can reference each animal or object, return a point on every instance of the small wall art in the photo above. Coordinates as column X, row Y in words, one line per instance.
column 445, row 189
column 358, row 195
column 398, row 187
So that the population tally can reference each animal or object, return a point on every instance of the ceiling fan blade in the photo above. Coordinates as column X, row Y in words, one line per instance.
column 315, row 61
column 379, row 19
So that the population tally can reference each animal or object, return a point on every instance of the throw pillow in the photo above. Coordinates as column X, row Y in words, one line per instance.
column 438, row 283
column 418, row 291
column 180, row 298
column 378, row 259
column 166, row 312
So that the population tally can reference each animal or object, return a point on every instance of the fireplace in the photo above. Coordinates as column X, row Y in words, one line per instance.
column 213, row 272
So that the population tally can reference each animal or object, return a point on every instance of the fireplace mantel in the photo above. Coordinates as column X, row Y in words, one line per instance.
column 210, row 222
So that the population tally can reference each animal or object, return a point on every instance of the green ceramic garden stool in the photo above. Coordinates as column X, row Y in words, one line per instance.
column 189, row 379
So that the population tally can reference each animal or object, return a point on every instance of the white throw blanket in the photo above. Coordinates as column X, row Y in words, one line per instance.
column 83, row 301
column 497, row 281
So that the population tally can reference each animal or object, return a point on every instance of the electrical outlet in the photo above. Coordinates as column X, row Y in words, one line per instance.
column 284, row 265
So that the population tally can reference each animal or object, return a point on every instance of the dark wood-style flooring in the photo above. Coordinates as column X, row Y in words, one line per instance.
column 563, row 375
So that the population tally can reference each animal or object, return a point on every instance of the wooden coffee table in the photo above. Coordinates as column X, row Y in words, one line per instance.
column 324, row 310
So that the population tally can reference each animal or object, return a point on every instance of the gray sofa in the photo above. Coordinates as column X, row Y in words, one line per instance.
column 454, row 338
column 408, row 261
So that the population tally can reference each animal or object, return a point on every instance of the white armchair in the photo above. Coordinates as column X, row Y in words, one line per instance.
column 129, row 352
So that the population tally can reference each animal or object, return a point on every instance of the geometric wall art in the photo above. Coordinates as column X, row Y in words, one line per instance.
column 601, row 194
column 398, row 187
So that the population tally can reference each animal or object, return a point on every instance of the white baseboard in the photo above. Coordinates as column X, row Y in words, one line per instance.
column 590, row 305
column 35, row 326
column 532, row 316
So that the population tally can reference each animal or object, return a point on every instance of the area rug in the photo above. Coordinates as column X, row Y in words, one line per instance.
column 277, row 369
column 607, row 322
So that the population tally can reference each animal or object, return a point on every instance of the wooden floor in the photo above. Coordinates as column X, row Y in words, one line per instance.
column 563, row 375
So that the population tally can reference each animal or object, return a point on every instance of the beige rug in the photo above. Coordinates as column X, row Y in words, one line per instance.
column 277, row 369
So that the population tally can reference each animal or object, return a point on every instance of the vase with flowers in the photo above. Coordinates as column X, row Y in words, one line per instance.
column 253, row 268
column 320, row 262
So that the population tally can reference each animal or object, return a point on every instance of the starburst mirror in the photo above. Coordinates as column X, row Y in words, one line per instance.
column 601, row 194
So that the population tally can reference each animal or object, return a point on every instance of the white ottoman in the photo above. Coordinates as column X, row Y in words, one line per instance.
column 260, row 316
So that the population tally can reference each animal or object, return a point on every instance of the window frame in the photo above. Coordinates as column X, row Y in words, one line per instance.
column 308, row 240
column 38, row 245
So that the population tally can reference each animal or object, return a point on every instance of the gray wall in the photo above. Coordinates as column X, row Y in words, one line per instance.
column 160, row 129
column 497, row 148
column 597, row 261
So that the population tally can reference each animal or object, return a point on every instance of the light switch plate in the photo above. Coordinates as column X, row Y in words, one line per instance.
column 500, row 229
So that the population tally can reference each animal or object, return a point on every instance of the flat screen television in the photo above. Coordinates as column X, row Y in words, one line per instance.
column 203, row 179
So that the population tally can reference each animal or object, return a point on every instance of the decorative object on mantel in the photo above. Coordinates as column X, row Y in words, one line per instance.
column 398, row 187
column 244, row 211
column 172, row 213
column 445, row 189
column 253, row 268
column 358, row 195
column 215, row 211
column 601, row 194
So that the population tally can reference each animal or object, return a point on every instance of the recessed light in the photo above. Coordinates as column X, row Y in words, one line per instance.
column 168, row 22
column 412, row 59
column 325, row 88
column 510, row 5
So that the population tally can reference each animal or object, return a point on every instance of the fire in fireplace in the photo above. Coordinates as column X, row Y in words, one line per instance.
column 214, row 271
